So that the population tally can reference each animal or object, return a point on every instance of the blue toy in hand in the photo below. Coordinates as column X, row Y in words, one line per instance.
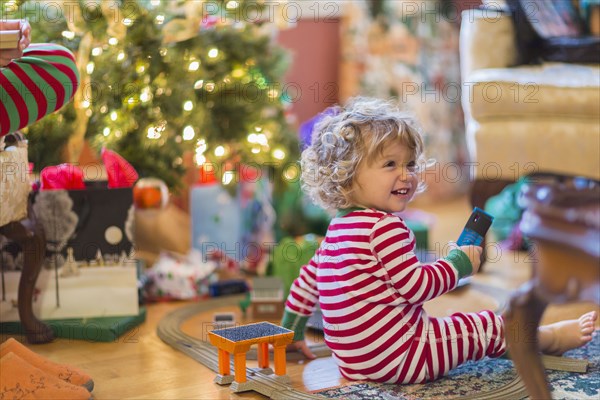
column 477, row 226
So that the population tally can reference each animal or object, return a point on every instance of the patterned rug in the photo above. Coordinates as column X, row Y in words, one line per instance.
column 486, row 379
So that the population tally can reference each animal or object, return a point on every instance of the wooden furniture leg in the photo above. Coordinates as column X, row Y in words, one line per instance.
column 561, row 219
column 522, row 320
column 33, row 243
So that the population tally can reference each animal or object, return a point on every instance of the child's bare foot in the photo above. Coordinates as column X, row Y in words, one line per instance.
column 555, row 339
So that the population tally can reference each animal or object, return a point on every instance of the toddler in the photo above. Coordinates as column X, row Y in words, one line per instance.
column 364, row 163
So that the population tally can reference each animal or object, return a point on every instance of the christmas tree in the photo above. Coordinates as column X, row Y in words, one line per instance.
column 162, row 77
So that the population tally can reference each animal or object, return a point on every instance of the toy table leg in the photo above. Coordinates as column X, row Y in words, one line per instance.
column 522, row 321
column 239, row 362
column 224, row 368
column 279, row 358
column 263, row 355
column 224, row 377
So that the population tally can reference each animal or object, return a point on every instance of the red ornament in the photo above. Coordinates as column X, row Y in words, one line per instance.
column 150, row 193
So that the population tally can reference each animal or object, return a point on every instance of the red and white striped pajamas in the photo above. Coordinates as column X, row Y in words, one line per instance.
column 37, row 84
column 371, row 289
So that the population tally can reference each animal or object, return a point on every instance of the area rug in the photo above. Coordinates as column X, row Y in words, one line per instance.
column 486, row 379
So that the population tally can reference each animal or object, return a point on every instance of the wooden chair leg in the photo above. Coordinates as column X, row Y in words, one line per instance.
column 522, row 321
column 33, row 243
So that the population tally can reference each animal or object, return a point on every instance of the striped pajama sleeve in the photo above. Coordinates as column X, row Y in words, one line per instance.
column 302, row 299
column 39, row 83
column 445, row 342
column 393, row 244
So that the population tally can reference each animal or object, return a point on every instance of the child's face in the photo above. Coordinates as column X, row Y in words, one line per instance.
column 389, row 182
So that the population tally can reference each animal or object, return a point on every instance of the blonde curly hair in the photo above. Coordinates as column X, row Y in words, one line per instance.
column 349, row 136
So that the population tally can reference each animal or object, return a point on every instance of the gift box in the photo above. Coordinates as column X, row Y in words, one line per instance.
column 100, row 329
column 179, row 277
column 88, row 270
column 215, row 220
column 9, row 39
column 14, row 183
column 239, row 227
column 107, row 291
column 95, row 222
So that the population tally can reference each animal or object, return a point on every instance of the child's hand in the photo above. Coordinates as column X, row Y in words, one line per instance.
column 474, row 254
column 7, row 55
column 302, row 347
column 25, row 34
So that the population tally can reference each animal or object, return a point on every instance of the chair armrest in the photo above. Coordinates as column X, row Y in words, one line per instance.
column 487, row 40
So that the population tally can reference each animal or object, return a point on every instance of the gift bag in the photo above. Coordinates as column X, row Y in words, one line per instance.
column 88, row 270
column 257, row 219
column 95, row 222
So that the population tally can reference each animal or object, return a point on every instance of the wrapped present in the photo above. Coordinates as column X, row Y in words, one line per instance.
column 215, row 218
column 97, row 329
column 177, row 277
column 94, row 218
column 257, row 218
column 239, row 228
column 10, row 39
column 107, row 291
column 14, row 182
column 95, row 222
column 158, row 230
column 290, row 254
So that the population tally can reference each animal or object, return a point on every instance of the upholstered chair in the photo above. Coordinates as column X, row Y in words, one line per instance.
column 521, row 119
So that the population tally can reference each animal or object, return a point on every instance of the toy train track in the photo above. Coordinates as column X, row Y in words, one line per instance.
column 202, row 351
column 169, row 331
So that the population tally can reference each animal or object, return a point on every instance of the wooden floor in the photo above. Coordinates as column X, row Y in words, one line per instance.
column 140, row 366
